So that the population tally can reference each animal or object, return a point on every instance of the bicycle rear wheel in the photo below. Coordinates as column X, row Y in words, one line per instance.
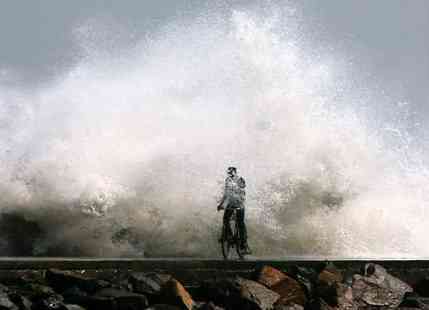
column 237, row 239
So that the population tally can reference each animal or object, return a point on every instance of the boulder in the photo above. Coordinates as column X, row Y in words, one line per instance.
column 290, row 292
column 289, row 289
column 123, row 299
column 62, row 280
column 49, row 303
column 330, row 276
column 6, row 303
column 269, row 276
column 239, row 293
column 413, row 300
column 329, row 287
column 22, row 302
column 73, row 307
column 378, row 288
column 422, row 287
column 207, row 306
column 289, row 307
column 173, row 292
column 148, row 283
column 39, row 291
column 163, row 307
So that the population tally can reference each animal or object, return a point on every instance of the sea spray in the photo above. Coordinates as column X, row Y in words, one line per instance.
column 125, row 154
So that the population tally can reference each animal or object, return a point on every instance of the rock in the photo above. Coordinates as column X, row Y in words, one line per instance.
column 73, row 307
column 378, row 288
column 39, row 291
column 62, row 280
column 123, row 299
column 207, row 306
column 4, row 289
column 270, row 276
column 239, row 293
column 6, row 303
column 289, row 307
column 290, row 291
column 174, row 293
column 22, row 302
column 330, row 276
column 163, row 307
column 257, row 294
column 49, row 303
column 422, row 287
column 328, row 286
column 413, row 300
column 148, row 283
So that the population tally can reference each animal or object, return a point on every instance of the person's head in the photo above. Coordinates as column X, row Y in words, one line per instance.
column 232, row 171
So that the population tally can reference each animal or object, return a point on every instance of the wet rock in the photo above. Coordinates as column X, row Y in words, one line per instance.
column 239, row 293
column 163, row 307
column 22, row 302
column 148, row 283
column 74, row 295
column 378, row 288
column 4, row 289
column 207, row 306
column 413, row 300
column 289, row 289
column 50, row 303
column 39, row 291
column 422, row 287
column 289, row 307
column 62, row 280
column 6, row 303
column 123, row 299
column 95, row 302
column 270, row 276
column 329, row 276
column 307, row 277
column 290, row 292
column 329, row 287
column 343, row 299
column 257, row 294
column 173, row 292
column 73, row 307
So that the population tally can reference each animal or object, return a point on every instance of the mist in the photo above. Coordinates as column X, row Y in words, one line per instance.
column 125, row 153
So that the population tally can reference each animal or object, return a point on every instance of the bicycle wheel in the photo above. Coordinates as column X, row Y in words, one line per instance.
column 228, row 240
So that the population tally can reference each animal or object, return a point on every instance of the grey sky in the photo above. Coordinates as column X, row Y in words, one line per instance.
column 390, row 38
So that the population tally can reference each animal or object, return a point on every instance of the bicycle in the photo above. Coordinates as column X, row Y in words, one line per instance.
column 231, row 238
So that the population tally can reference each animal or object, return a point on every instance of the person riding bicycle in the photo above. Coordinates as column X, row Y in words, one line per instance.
column 234, row 198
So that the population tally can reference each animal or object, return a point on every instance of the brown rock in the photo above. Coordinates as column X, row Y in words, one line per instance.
column 270, row 276
column 330, row 276
column 175, row 294
column 290, row 291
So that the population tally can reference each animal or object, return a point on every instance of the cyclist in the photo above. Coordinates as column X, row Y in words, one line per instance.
column 234, row 198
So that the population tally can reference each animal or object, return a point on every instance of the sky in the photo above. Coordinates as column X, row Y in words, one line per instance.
column 388, row 39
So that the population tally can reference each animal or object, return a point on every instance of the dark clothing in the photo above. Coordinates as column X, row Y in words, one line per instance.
column 234, row 198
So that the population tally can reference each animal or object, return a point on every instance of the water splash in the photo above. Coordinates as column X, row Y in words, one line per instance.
column 125, row 154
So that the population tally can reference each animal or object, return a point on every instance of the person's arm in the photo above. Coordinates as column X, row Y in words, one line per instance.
column 226, row 194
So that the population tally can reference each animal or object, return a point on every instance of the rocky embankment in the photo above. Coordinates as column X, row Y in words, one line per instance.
column 325, row 288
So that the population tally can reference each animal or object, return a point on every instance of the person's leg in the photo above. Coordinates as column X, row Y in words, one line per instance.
column 242, row 226
column 227, row 231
